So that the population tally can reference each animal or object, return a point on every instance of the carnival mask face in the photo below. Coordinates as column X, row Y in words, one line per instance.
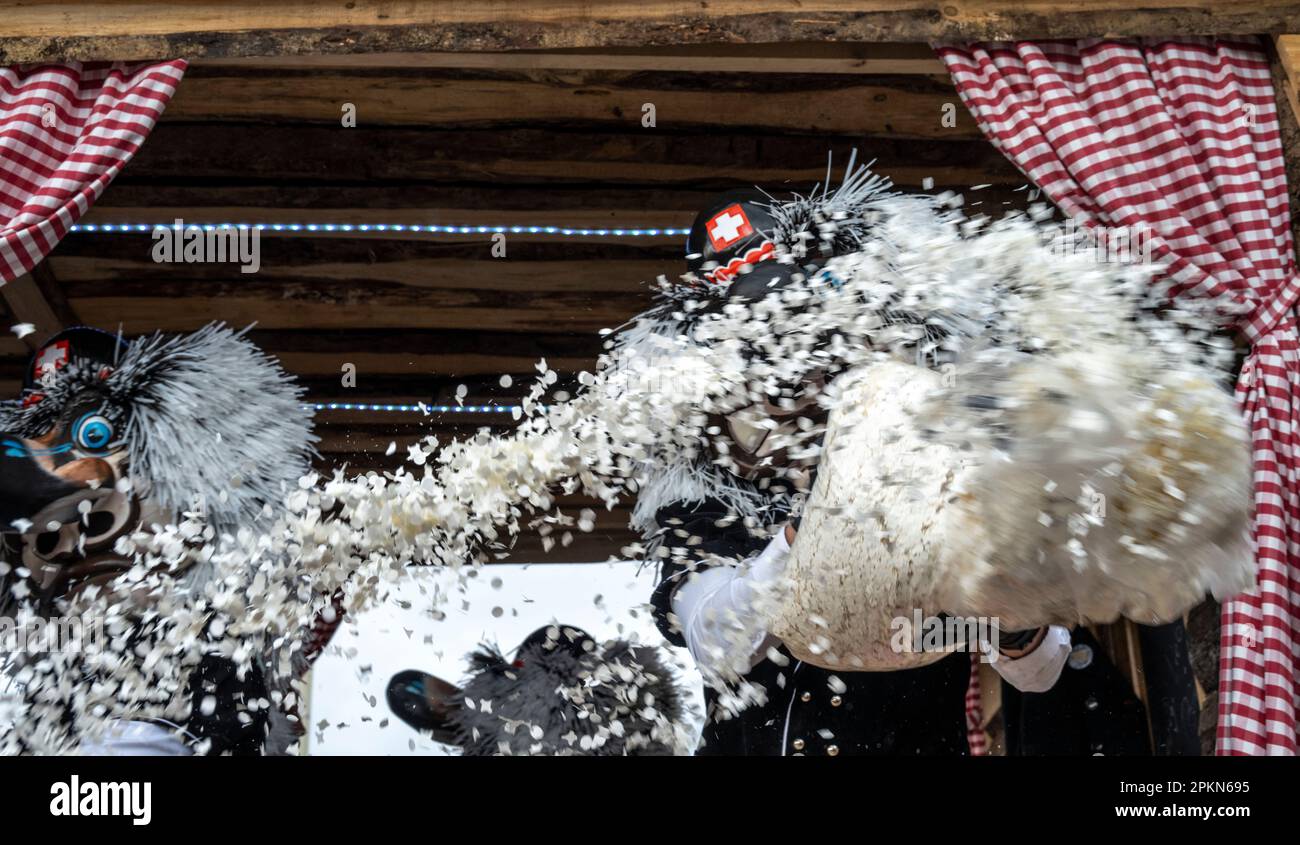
column 68, row 557
column 203, row 418
column 44, row 477
column 65, row 500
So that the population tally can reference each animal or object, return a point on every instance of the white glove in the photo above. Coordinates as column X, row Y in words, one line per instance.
column 722, row 611
column 1038, row 670
column 135, row 739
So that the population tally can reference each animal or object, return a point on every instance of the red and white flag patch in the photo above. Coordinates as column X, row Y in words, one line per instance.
column 728, row 226
column 52, row 358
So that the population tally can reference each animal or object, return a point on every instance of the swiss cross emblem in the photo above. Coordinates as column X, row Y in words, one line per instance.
column 52, row 358
column 728, row 226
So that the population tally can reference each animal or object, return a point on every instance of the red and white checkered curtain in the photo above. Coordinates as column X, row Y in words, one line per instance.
column 975, row 736
column 65, row 132
column 1181, row 136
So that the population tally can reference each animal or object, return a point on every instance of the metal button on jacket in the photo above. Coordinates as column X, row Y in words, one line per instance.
column 1080, row 656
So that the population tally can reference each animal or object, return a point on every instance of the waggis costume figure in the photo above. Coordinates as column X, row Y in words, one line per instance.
column 954, row 478
column 559, row 693
column 110, row 438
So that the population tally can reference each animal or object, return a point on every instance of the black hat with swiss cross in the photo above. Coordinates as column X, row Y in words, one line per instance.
column 734, row 231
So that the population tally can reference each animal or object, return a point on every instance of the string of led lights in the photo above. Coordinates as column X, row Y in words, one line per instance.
column 416, row 408
column 369, row 228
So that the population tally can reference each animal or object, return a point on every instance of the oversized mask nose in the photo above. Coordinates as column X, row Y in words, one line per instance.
column 39, row 488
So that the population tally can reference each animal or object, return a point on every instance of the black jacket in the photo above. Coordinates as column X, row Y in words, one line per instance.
column 811, row 710
column 1093, row 709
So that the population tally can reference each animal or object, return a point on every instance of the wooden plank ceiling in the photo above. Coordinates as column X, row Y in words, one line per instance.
column 522, row 139
column 40, row 30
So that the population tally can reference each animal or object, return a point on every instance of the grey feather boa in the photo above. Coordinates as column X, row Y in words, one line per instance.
column 569, row 696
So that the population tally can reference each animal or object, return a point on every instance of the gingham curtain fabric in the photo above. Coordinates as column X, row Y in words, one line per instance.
column 65, row 132
column 975, row 736
column 1181, row 136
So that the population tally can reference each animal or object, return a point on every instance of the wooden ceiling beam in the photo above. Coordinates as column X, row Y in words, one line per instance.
column 473, row 342
column 130, row 191
column 899, row 106
column 528, row 313
column 452, row 364
column 43, row 30
column 792, row 58
column 289, row 271
column 547, row 158
column 434, row 387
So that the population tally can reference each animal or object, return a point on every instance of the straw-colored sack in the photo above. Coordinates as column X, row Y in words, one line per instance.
column 867, row 550
column 899, row 524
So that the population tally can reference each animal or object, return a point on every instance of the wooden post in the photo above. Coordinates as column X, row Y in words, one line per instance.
column 28, row 305
column 1286, row 76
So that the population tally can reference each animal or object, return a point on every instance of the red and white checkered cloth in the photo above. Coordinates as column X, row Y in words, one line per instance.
column 1182, row 136
column 975, row 736
column 65, row 132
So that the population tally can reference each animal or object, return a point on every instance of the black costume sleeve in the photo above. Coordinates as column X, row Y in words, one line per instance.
column 688, row 535
column 233, row 723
